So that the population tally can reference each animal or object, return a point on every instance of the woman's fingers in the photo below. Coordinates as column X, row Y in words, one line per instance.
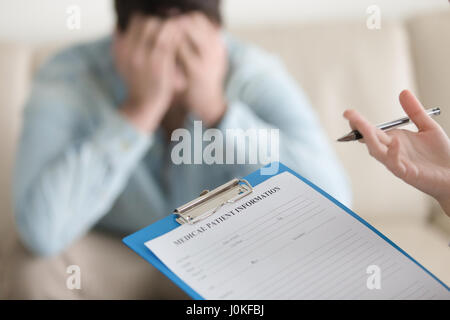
column 394, row 162
column 415, row 111
column 384, row 138
column 375, row 139
column 357, row 120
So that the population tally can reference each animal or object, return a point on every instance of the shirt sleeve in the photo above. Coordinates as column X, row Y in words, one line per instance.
column 68, row 174
column 264, row 96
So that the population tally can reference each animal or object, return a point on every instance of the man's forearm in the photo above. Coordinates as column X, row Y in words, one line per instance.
column 73, row 191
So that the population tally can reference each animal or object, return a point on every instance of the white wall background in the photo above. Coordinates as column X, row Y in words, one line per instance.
column 32, row 21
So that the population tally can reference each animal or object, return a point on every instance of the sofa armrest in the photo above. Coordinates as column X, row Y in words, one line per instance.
column 108, row 270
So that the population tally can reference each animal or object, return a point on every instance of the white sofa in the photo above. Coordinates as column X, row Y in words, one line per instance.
column 340, row 65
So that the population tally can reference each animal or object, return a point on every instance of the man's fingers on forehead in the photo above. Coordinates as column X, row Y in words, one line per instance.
column 136, row 22
column 166, row 35
column 200, row 20
column 145, row 23
column 168, row 28
column 119, row 39
column 135, row 30
column 152, row 23
column 196, row 16
column 150, row 29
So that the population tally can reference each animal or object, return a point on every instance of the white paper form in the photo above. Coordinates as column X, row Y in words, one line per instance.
column 287, row 241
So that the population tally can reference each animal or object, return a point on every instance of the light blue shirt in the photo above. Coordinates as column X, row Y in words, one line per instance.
column 80, row 164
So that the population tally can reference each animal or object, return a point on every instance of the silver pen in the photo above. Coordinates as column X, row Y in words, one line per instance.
column 356, row 135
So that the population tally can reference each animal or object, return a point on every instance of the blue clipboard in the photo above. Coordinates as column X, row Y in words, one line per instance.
column 136, row 240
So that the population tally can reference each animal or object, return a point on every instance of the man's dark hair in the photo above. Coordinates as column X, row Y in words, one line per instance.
column 125, row 9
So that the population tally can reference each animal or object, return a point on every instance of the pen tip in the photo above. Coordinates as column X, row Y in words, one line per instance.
column 346, row 138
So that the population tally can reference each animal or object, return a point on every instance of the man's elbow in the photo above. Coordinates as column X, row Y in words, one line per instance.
column 38, row 239
column 44, row 249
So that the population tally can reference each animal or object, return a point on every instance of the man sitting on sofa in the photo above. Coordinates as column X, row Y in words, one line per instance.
column 95, row 147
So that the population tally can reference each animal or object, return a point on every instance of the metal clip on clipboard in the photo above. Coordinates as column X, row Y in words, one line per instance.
column 210, row 201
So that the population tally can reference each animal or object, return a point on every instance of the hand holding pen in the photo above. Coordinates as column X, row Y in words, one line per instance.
column 356, row 135
column 421, row 159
